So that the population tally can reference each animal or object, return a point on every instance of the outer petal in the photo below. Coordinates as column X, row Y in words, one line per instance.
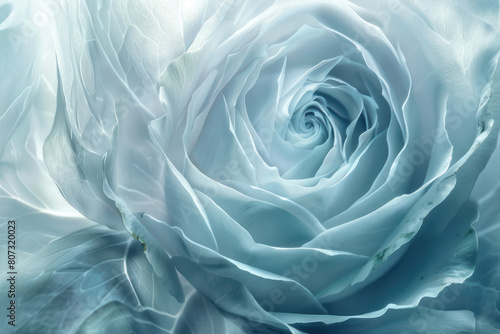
column 96, row 280
column 481, row 292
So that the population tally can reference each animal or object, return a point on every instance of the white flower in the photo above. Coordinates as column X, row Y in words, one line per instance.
column 305, row 166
